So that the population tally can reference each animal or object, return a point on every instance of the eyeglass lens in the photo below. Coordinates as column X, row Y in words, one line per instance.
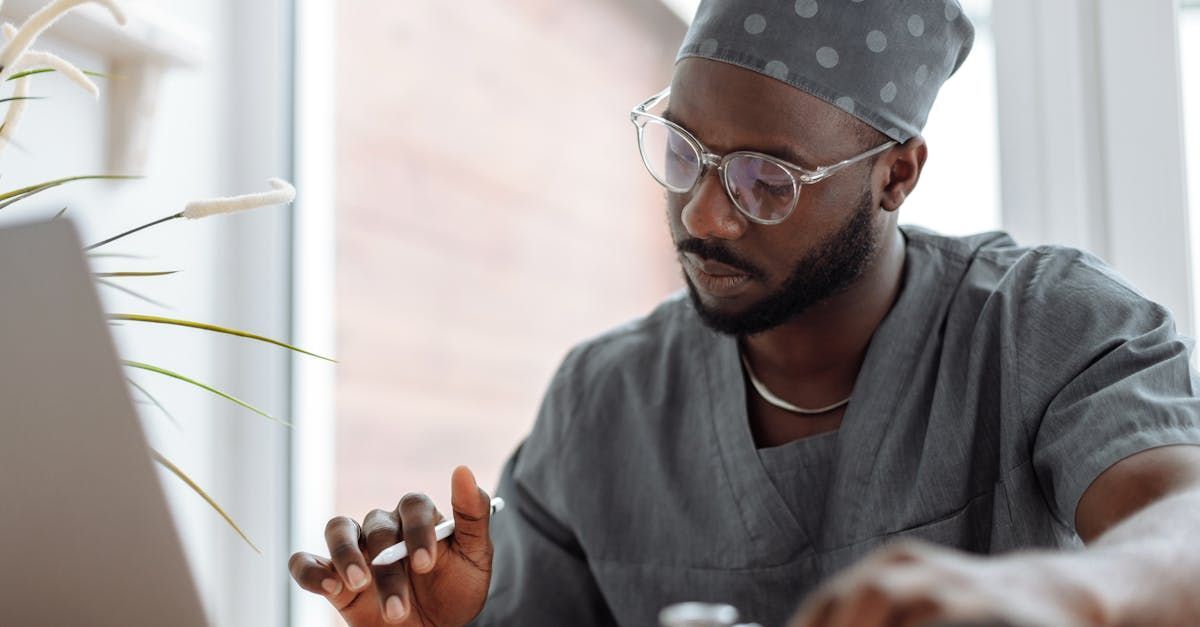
column 761, row 188
column 670, row 158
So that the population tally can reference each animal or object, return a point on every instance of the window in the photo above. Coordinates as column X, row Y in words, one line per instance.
column 959, row 191
column 491, row 212
column 234, row 271
column 1189, row 51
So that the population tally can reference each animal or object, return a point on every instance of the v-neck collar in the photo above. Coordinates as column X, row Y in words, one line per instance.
column 764, row 512
column 898, row 339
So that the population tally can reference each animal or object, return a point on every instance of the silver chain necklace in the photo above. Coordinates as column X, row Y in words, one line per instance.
column 779, row 402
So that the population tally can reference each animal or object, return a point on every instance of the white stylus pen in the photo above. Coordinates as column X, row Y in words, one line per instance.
column 397, row 552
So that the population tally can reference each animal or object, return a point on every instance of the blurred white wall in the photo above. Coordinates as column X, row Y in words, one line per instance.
column 1189, row 44
column 219, row 130
column 959, row 192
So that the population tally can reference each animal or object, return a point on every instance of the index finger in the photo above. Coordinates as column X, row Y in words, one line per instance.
column 418, row 516
column 344, row 538
column 314, row 574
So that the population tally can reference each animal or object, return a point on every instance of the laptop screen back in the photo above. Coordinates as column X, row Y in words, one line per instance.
column 85, row 532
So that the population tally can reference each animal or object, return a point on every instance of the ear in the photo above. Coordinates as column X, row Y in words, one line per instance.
column 903, row 166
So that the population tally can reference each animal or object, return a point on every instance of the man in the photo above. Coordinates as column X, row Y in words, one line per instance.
column 845, row 416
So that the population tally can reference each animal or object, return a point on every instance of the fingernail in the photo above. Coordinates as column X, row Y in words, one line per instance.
column 421, row 560
column 332, row 586
column 395, row 608
column 356, row 577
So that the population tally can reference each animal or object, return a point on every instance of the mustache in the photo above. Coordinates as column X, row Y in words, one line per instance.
column 712, row 251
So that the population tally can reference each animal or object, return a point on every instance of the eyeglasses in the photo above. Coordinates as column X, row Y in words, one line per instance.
column 764, row 188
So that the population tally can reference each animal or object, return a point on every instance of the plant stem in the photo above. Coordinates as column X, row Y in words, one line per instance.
column 135, row 294
column 47, row 69
column 10, row 197
column 154, row 401
column 213, row 328
column 166, row 463
column 132, row 231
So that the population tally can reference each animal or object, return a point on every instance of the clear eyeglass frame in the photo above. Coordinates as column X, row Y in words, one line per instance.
column 800, row 176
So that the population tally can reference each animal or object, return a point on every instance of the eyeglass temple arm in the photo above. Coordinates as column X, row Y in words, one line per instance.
column 824, row 172
column 650, row 102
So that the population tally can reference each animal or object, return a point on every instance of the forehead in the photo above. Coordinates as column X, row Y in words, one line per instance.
column 731, row 108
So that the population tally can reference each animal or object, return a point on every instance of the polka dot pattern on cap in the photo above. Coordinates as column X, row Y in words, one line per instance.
column 883, row 62
column 827, row 57
column 922, row 75
column 755, row 23
column 916, row 25
column 807, row 8
column 876, row 41
column 776, row 69
column 888, row 93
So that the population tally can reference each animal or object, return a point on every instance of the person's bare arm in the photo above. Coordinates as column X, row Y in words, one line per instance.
column 1140, row 519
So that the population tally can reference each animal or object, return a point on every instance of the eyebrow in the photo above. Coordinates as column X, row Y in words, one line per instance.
column 787, row 153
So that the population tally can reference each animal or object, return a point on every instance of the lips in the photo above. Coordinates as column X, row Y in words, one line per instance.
column 714, row 278
column 713, row 268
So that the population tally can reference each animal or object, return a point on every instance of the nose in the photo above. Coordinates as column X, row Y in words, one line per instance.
column 709, row 213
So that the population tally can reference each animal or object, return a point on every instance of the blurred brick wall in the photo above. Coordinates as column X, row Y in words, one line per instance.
column 492, row 212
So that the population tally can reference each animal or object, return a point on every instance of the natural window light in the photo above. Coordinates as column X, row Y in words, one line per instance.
column 960, row 187
column 1189, row 50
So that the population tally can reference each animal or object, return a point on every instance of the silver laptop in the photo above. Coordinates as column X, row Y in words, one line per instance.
column 85, row 533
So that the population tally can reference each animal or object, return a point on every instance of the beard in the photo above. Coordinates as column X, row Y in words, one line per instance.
column 834, row 265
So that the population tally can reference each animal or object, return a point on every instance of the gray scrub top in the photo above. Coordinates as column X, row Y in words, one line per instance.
column 1001, row 383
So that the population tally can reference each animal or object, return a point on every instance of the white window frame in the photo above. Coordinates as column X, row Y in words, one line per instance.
column 281, row 70
column 258, row 268
column 313, row 238
column 1092, row 151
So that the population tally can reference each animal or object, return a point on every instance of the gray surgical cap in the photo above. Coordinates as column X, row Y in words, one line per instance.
column 881, row 60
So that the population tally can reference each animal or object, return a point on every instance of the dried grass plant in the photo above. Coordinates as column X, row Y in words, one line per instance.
column 19, row 65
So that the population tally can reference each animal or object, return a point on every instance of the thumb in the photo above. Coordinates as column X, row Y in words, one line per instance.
column 472, row 513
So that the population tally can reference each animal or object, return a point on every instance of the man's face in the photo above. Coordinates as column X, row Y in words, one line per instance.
column 743, row 277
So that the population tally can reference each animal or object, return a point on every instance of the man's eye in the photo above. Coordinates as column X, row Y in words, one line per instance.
column 779, row 190
column 683, row 154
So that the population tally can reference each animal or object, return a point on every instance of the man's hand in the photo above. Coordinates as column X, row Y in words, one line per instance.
column 440, row 583
column 911, row 584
